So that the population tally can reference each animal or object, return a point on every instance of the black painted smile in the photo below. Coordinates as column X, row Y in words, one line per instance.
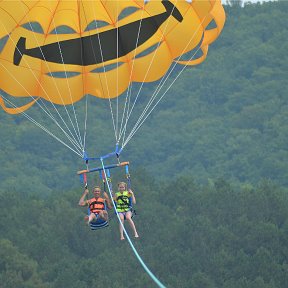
column 101, row 47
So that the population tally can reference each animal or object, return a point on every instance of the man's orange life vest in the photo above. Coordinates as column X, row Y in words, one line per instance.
column 96, row 205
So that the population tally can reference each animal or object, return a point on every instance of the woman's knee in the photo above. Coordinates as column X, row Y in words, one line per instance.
column 129, row 216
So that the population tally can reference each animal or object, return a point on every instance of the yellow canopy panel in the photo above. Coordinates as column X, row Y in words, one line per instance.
column 62, row 50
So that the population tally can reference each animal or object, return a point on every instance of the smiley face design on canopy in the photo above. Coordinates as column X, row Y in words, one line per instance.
column 50, row 48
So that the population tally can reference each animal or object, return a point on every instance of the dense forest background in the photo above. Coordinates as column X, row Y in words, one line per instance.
column 224, row 118
column 209, row 170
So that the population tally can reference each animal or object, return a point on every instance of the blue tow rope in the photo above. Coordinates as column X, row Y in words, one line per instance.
column 152, row 276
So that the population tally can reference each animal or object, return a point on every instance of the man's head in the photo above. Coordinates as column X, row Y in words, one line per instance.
column 97, row 191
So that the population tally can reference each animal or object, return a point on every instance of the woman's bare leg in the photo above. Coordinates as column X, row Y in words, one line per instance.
column 131, row 223
column 120, row 227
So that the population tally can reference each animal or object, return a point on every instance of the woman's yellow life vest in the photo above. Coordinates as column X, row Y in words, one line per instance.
column 96, row 205
column 122, row 201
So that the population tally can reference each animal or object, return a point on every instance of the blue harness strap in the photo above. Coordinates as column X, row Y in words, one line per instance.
column 129, row 187
column 98, row 224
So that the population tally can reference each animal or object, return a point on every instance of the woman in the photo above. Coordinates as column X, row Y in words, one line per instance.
column 123, row 199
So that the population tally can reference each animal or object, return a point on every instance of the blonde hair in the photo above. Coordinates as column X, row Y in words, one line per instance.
column 122, row 183
column 97, row 187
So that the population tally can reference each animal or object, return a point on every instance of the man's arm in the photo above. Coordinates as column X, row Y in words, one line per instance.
column 82, row 201
column 107, row 199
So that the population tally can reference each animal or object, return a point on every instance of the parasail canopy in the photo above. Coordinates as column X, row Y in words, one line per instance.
column 62, row 50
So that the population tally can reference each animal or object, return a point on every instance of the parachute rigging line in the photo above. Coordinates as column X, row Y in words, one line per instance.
column 77, row 133
column 157, row 90
column 163, row 80
column 106, row 80
column 42, row 127
column 147, row 72
column 152, row 276
column 72, row 140
column 143, row 117
column 129, row 90
column 69, row 88
column 169, row 11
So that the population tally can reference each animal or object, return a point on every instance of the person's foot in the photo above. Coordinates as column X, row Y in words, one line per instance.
column 122, row 238
column 136, row 236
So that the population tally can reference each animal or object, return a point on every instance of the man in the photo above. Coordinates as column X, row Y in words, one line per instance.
column 97, row 205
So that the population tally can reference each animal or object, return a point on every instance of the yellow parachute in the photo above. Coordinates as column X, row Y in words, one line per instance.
column 63, row 50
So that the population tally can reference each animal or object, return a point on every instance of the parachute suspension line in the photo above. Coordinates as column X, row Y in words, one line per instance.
column 104, row 69
column 117, row 78
column 106, row 80
column 43, row 128
column 47, row 110
column 143, row 117
column 140, row 123
column 73, row 141
column 152, row 276
column 78, row 134
column 75, row 144
column 157, row 91
column 86, row 100
column 147, row 72
column 129, row 90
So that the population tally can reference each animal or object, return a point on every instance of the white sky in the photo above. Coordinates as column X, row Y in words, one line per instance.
column 252, row 1
column 255, row 1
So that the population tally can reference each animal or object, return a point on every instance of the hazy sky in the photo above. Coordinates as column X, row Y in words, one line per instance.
column 253, row 1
